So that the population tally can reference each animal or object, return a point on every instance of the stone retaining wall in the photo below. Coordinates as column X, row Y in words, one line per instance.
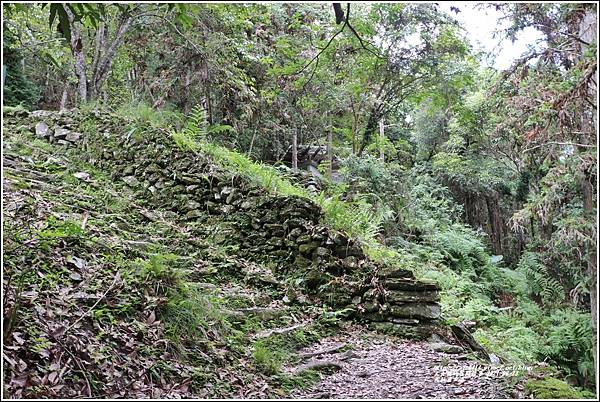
column 287, row 230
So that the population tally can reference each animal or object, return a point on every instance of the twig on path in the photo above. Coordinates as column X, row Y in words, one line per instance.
column 330, row 349
column 117, row 277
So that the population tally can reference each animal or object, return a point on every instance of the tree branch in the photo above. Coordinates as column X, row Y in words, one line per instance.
column 559, row 143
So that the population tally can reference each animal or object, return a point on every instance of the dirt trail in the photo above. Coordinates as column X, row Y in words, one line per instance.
column 386, row 367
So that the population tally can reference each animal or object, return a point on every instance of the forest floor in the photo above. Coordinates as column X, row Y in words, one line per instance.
column 376, row 366
column 87, row 320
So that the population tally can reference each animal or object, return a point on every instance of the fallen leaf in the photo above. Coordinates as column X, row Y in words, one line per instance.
column 151, row 318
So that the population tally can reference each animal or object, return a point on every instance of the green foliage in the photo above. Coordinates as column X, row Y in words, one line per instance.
column 539, row 282
column 158, row 270
column 568, row 342
column 19, row 89
column 267, row 358
column 143, row 116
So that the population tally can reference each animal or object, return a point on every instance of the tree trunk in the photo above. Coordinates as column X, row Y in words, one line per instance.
column 295, row 149
column 103, row 65
column 330, row 152
column 587, row 32
column 354, row 128
column 77, row 49
column 381, row 138
column 186, row 90
column 496, row 226
column 369, row 129
column 63, row 99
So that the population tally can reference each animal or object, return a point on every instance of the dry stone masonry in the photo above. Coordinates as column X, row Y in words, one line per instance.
column 285, row 232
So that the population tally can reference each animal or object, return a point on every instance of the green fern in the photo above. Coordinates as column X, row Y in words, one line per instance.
column 539, row 280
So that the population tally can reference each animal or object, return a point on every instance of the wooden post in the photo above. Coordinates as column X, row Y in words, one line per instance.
column 381, row 138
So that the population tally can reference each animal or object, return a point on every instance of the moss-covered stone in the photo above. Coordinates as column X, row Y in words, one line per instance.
column 553, row 388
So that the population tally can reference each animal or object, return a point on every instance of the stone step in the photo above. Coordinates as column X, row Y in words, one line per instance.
column 409, row 284
column 410, row 296
column 428, row 311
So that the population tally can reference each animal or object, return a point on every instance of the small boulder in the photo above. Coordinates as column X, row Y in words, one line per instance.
column 131, row 181
column 193, row 214
column 428, row 311
column 61, row 133
column 42, row 130
column 73, row 137
column 446, row 348
column 322, row 252
column 307, row 248
column 190, row 205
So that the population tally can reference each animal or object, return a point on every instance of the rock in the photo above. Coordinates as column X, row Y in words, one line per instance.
column 406, row 321
column 274, row 228
column 403, row 296
column 196, row 213
column 322, row 252
column 76, row 261
column 189, row 179
column 302, row 262
column 82, row 176
column 212, row 207
column 276, row 242
column 190, row 205
column 349, row 250
column 370, row 307
column 128, row 170
column 227, row 190
column 396, row 273
column 303, row 239
column 131, row 181
column 308, row 248
column 317, row 365
column 293, row 223
column 41, row 113
column 338, row 239
column 61, row 133
column 233, row 197
column 314, row 279
column 446, row 348
column 42, row 130
column 73, row 137
column 409, row 284
column 350, row 262
column 246, row 205
column 75, row 276
column 429, row 311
